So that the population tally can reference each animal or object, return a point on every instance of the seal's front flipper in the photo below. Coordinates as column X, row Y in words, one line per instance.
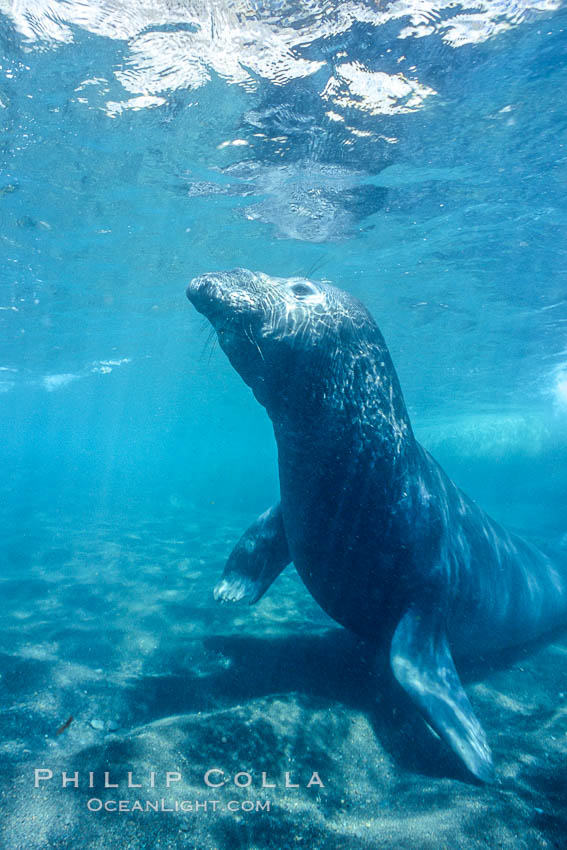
column 423, row 665
column 256, row 561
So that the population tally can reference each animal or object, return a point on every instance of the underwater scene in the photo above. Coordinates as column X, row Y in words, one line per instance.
column 281, row 282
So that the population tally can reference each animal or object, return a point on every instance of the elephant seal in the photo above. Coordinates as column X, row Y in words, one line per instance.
column 381, row 537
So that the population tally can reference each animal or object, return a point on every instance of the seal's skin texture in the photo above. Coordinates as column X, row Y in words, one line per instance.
column 381, row 537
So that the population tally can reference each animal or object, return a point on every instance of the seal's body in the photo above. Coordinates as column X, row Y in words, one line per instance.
column 381, row 537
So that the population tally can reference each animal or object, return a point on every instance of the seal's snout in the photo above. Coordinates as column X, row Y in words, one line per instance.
column 204, row 293
column 199, row 287
column 191, row 289
column 215, row 292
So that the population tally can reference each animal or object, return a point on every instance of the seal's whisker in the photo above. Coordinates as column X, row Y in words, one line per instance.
column 250, row 336
column 209, row 344
column 316, row 265
column 213, row 347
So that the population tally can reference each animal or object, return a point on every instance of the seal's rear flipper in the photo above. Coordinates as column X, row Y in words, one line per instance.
column 423, row 665
column 256, row 561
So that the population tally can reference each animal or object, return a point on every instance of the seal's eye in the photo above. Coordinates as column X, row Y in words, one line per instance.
column 302, row 289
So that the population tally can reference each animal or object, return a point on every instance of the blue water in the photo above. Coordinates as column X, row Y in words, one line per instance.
column 415, row 155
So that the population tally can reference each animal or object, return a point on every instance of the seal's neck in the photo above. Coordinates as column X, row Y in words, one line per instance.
column 346, row 404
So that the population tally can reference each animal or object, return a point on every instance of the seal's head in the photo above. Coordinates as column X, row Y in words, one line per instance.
column 269, row 325
column 298, row 343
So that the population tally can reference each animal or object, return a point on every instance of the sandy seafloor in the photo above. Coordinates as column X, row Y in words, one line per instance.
column 114, row 623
